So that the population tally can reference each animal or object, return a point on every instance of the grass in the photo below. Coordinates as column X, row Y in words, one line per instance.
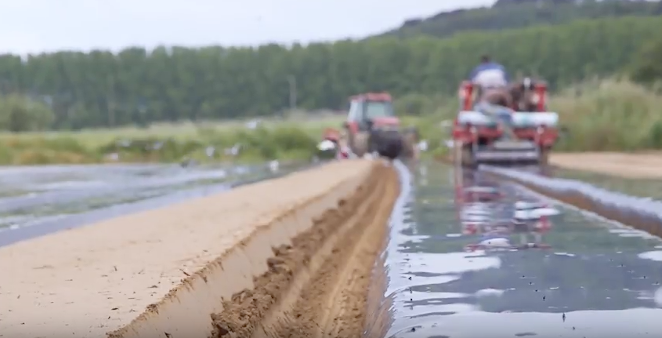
column 183, row 131
column 599, row 115
column 609, row 115
column 293, row 138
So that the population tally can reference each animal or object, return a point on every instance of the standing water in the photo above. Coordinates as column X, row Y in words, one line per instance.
column 36, row 201
column 459, row 266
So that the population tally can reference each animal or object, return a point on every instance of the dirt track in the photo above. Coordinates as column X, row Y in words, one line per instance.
column 641, row 165
column 269, row 259
column 317, row 287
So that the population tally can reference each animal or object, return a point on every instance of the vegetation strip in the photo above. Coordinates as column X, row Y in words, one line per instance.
column 170, row 105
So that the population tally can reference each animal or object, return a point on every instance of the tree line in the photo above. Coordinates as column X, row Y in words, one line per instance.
column 508, row 14
column 137, row 86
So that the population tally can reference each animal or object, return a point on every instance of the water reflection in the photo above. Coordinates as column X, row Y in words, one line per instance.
column 496, row 215
column 54, row 198
column 446, row 280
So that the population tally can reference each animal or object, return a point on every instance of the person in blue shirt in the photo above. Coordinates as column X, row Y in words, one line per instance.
column 494, row 98
column 489, row 74
column 492, row 81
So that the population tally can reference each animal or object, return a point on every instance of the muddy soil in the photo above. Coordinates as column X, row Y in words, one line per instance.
column 318, row 286
column 640, row 165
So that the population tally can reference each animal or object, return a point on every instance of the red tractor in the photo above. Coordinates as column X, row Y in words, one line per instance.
column 479, row 138
column 372, row 126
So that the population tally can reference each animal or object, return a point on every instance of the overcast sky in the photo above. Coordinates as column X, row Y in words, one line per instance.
column 29, row 26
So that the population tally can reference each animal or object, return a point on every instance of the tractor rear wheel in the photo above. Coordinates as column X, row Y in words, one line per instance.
column 543, row 157
column 467, row 157
column 387, row 144
column 410, row 139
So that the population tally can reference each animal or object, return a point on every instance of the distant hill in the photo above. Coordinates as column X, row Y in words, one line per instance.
column 505, row 14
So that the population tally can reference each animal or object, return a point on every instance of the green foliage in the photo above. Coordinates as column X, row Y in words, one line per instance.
column 646, row 66
column 137, row 86
column 559, row 41
column 414, row 105
column 20, row 113
column 507, row 14
column 613, row 115
column 282, row 141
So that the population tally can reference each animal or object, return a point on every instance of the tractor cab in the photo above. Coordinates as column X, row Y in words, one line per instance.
column 367, row 111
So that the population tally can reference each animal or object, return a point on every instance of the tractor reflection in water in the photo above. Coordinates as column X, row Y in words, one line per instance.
column 500, row 223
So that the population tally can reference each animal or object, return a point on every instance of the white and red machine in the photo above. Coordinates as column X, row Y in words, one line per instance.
column 479, row 138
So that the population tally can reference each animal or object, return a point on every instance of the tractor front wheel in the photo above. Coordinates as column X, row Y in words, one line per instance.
column 360, row 143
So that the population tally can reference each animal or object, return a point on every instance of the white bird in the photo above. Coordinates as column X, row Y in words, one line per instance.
column 423, row 145
column 252, row 124
column 274, row 165
column 210, row 151
column 234, row 151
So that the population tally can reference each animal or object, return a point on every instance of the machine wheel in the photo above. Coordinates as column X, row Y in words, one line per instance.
column 359, row 144
column 467, row 157
column 410, row 138
column 373, row 143
column 387, row 144
column 543, row 158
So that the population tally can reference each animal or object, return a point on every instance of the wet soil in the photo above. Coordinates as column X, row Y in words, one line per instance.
column 318, row 286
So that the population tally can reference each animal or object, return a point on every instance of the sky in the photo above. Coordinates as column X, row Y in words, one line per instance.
column 34, row 26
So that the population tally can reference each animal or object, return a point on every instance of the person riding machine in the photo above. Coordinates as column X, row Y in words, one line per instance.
column 504, row 123
column 494, row 98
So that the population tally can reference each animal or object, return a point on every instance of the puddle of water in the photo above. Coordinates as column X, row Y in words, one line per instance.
column 580, row 324
column 131, row 189
column 88, row 188
column 442, row 283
